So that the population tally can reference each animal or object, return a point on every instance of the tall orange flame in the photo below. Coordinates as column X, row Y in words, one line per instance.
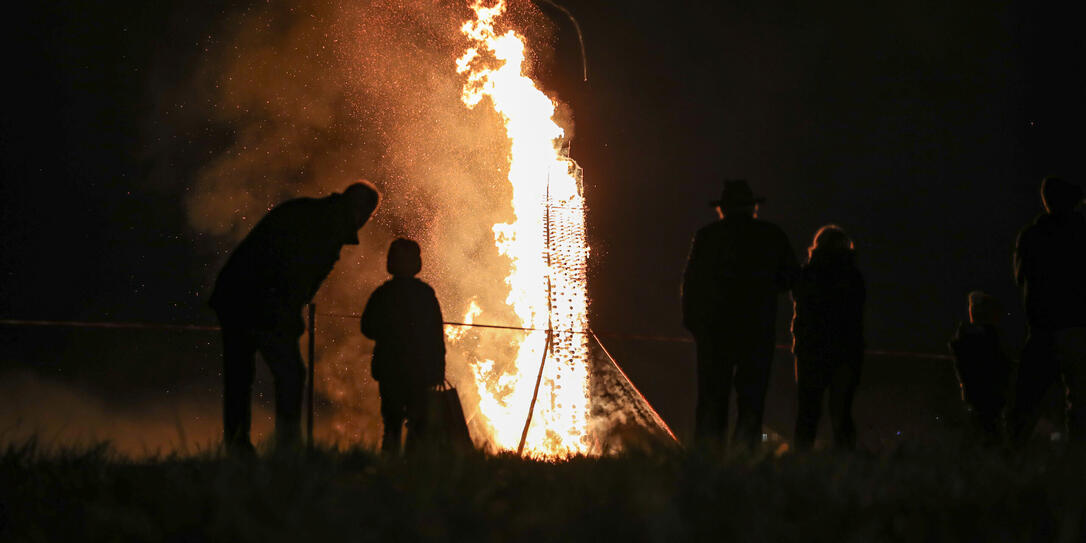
column 546, row 245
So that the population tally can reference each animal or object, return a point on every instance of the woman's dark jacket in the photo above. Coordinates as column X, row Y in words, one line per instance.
column 827, row 326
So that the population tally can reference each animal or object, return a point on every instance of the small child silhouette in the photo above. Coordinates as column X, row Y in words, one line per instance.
column 403, row 318
column 983, row 368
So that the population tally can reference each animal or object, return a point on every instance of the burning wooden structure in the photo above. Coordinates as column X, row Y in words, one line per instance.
column 542, row 407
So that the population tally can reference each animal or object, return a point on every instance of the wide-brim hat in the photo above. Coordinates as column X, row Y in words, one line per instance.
column 736, row 193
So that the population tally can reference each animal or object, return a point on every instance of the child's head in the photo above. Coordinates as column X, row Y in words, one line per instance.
column 984, row 308
column 404, row 258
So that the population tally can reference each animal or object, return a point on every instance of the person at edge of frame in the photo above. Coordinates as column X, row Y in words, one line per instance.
column 1050, row 268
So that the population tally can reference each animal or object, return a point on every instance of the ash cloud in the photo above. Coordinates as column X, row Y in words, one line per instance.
column 311, row 95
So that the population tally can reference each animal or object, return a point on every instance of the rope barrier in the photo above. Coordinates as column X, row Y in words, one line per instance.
column 649, row 337
column 615, row 335
column 908, row 354
column 101, row 324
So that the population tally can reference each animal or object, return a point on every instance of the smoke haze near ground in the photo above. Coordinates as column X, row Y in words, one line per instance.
column 77, row 416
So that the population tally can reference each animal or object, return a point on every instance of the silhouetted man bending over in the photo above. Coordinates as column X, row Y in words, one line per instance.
column 259, row 297
column 738, row 266
column 1050, row 266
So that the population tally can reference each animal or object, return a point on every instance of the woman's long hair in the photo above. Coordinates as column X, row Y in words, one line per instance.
column 830, row 239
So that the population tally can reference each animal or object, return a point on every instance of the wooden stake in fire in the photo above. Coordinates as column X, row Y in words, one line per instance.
column 550, row 322
column 535, row 394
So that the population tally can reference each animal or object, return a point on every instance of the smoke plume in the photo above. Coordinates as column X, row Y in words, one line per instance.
column 315, row 94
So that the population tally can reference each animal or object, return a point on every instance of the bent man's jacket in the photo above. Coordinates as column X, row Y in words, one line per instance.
column 279, row 266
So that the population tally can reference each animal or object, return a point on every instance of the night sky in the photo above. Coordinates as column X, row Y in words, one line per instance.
column 922, row 128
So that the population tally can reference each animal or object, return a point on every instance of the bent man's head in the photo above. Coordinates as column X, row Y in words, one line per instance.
column 362, row 199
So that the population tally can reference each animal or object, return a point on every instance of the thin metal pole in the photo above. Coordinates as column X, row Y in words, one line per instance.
column 312, row 372
column 535, row 394
column 580, row 37
column 103, row 324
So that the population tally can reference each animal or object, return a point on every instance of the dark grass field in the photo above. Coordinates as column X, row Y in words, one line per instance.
column 951, row 493
column 920, row 485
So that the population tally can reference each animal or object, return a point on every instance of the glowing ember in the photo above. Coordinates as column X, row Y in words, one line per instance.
column 546, row 244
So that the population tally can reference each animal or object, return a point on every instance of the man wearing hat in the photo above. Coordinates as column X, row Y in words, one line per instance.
column 737, row 268
column 1050, row 267
column 259, row 296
